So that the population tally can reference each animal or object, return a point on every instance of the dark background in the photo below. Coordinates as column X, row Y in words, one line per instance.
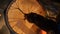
column 3, row 6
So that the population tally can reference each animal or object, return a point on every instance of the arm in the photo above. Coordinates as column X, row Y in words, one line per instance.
column 40, row 21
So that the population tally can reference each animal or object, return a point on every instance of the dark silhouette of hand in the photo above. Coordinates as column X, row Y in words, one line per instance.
column 40, row 21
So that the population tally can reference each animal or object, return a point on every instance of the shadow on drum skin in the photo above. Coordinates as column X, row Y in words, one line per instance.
column 42, row 22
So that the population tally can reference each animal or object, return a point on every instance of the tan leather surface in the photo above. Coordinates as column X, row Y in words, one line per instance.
column 16, row 18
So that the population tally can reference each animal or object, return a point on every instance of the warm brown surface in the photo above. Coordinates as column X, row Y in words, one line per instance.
column 16, row 18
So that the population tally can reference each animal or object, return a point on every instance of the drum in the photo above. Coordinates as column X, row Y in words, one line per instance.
column 15, row 18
